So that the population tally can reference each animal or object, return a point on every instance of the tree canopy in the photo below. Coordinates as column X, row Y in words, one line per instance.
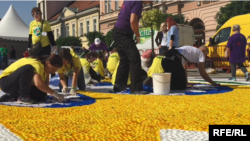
column 230, row 10
column 152, row 17
column 68, row 41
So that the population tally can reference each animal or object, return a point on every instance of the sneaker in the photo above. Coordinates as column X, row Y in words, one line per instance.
column 8, row 98
column 140, row 92
column 25, row 100
column 247, row 76
column 119, row 88
column 232, row 79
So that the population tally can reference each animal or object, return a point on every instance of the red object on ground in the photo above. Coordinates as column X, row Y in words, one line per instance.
column 26, row 54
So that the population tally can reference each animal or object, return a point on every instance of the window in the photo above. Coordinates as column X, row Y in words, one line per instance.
column 67, row 30
column 73, row 30
column 61, row 31
column 94, row 24
column 116, row 5
column 81, row 29
column 109, row 5
column 57, row 33
column 106, row 6
column 222, row 36
column 87, row 24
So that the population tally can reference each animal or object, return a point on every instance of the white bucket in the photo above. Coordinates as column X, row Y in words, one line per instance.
column 161, row 83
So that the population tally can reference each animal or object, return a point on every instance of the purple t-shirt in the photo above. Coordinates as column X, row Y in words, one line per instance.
column 127, row 9
column 237, row 44
column 102, row 47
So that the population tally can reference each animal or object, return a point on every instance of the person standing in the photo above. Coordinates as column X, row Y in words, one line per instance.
column 236, row 47
column 37, row 33
column 161, row 38
column 173, row 33
column 12, row 53
column 4, row 53
column 126, row 26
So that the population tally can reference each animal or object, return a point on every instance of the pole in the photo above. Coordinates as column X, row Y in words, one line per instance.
column 152, row 39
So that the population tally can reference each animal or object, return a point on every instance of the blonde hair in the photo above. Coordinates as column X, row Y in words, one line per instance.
column 162, row 25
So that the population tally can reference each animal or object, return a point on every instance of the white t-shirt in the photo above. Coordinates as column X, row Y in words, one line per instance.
column 164, row 39
column 192, row 54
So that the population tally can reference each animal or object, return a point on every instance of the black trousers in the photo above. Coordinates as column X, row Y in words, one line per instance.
column 94, row 75
column 80, row 81
column 233, row 68
column 130, row 60
column 19, row 83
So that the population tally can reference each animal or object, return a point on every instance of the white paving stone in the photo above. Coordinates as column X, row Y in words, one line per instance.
column 7, row 135
column 183, row 135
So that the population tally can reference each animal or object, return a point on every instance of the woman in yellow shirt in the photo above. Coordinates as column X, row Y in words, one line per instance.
column 113, row 60
column 27, row 80
column 71, row 68
column 97, row 65
column 39, row 33
column 90, row 58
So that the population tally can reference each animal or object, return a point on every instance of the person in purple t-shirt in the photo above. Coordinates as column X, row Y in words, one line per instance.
column 126, row 26
column 98, row 46
column 236, row 45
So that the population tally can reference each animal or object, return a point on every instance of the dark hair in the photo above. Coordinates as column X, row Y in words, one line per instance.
column 93, row 54
column 36, row 9
column 54, row 60
column 101, row 56
column 65, row 54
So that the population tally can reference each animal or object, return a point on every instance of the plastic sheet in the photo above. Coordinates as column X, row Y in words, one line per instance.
column 56, row 80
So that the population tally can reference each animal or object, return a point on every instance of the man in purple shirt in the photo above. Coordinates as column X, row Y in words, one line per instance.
column 236, row 45
column 98, row 46
column 126, row 26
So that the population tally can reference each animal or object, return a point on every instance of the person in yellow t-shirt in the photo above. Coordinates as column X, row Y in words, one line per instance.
column 38, row 33
column 71, row 68
column 97, row 65
column 90, row 58
column 113, row 60
column 156, row 67
column 27, row 80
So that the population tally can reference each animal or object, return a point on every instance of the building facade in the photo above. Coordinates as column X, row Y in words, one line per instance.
column 76, row 19
column 200, row 14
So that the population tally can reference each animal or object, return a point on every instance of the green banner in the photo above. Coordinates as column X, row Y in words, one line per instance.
column 145, row 34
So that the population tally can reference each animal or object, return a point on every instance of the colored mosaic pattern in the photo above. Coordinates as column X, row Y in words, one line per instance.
column 128, row 117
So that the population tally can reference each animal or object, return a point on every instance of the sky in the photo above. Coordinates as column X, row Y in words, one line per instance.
column 23, row 9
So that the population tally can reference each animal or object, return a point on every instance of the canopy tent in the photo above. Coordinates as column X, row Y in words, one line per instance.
column 12, row 27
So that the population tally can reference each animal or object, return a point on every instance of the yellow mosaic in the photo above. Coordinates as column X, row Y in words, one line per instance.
column 115, row 117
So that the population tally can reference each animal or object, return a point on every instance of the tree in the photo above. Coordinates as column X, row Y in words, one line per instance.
column 68, row 41
column 109, row 38
column 179, row 18
column 230, row 10
column 92, row 35
column 152, row 17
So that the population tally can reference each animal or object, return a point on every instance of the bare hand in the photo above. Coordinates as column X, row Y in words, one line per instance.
column 137, row 40
column 159, row 46
column 215, row 84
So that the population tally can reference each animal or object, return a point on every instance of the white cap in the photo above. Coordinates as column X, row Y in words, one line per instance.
column 97, row 41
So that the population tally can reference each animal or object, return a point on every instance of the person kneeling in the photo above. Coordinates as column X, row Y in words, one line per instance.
column 196, row 55
column 113, row 60
column 85, row 62
column 168, row 62
column 71, row 68
column 27, row 79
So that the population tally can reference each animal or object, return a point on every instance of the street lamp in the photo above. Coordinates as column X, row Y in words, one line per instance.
column 152, row 33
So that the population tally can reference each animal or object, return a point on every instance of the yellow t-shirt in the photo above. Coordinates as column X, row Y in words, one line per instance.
column 98, row 67
column 35, row 30
column 85, row 62
column 114, row 76
column 156, row 66
column 68, row 70
column 114, row 58
column 38, row 67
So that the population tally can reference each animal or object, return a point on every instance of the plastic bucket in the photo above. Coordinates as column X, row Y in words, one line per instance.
column 161, row 83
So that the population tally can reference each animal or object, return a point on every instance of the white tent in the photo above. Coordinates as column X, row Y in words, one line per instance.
column 12, row 26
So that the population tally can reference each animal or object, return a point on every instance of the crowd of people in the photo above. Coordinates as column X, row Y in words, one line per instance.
column 27, row 80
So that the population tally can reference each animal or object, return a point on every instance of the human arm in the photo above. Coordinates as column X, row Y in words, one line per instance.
column 47, row 79
column 157, row 40
column 135, row 26
column 62, row 80
column 172, row 32
column 75, row 77
column 204, row 74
